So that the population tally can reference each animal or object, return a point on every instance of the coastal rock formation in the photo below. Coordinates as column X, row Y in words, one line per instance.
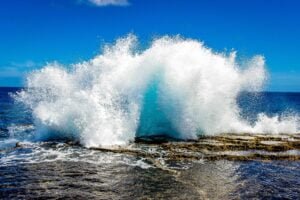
column 227, row 146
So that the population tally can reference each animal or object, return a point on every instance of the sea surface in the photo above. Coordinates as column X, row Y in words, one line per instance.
column 59, row 169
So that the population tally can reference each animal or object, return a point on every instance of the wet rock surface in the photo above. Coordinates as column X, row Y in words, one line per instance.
column 239, row 147
column 221, row 167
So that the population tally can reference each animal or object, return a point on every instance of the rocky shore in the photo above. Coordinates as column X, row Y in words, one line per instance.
column 239, row 147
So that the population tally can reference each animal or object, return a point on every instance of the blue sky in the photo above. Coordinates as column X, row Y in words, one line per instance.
column 33, row 32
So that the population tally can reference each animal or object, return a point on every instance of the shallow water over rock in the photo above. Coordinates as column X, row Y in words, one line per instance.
column 222, row 167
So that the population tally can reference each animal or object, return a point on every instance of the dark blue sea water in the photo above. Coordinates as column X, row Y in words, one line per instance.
column 54, row 170
column 271, row 103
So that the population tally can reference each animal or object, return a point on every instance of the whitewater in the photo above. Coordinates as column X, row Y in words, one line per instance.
column 176, row 87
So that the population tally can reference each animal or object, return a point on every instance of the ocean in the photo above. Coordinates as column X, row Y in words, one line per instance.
column 176, row 120
column 38, row 168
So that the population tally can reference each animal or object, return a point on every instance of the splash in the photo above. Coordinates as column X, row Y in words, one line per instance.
column 177, row 87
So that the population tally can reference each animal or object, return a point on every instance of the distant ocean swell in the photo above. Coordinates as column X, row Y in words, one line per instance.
column 176, row 87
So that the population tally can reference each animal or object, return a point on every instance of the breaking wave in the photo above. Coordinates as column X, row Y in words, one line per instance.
column 176, row 87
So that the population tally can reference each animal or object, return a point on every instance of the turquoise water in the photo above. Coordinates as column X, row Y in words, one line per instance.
column 43, row 169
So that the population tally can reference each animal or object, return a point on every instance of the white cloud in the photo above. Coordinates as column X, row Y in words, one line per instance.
column 109, row 2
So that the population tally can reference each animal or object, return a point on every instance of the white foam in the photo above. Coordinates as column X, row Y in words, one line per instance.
column 99, row 102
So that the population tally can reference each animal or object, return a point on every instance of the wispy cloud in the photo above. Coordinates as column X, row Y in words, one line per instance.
column 17, row 69
column 10, row 72
column 101, row 3
column 26, row 64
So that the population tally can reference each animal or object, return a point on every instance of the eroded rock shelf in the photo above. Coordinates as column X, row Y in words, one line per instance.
column 240, row 147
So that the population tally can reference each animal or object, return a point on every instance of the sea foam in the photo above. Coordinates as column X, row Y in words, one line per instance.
column 176, row 87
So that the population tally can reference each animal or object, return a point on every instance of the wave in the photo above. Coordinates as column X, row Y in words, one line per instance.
column 176, row 87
